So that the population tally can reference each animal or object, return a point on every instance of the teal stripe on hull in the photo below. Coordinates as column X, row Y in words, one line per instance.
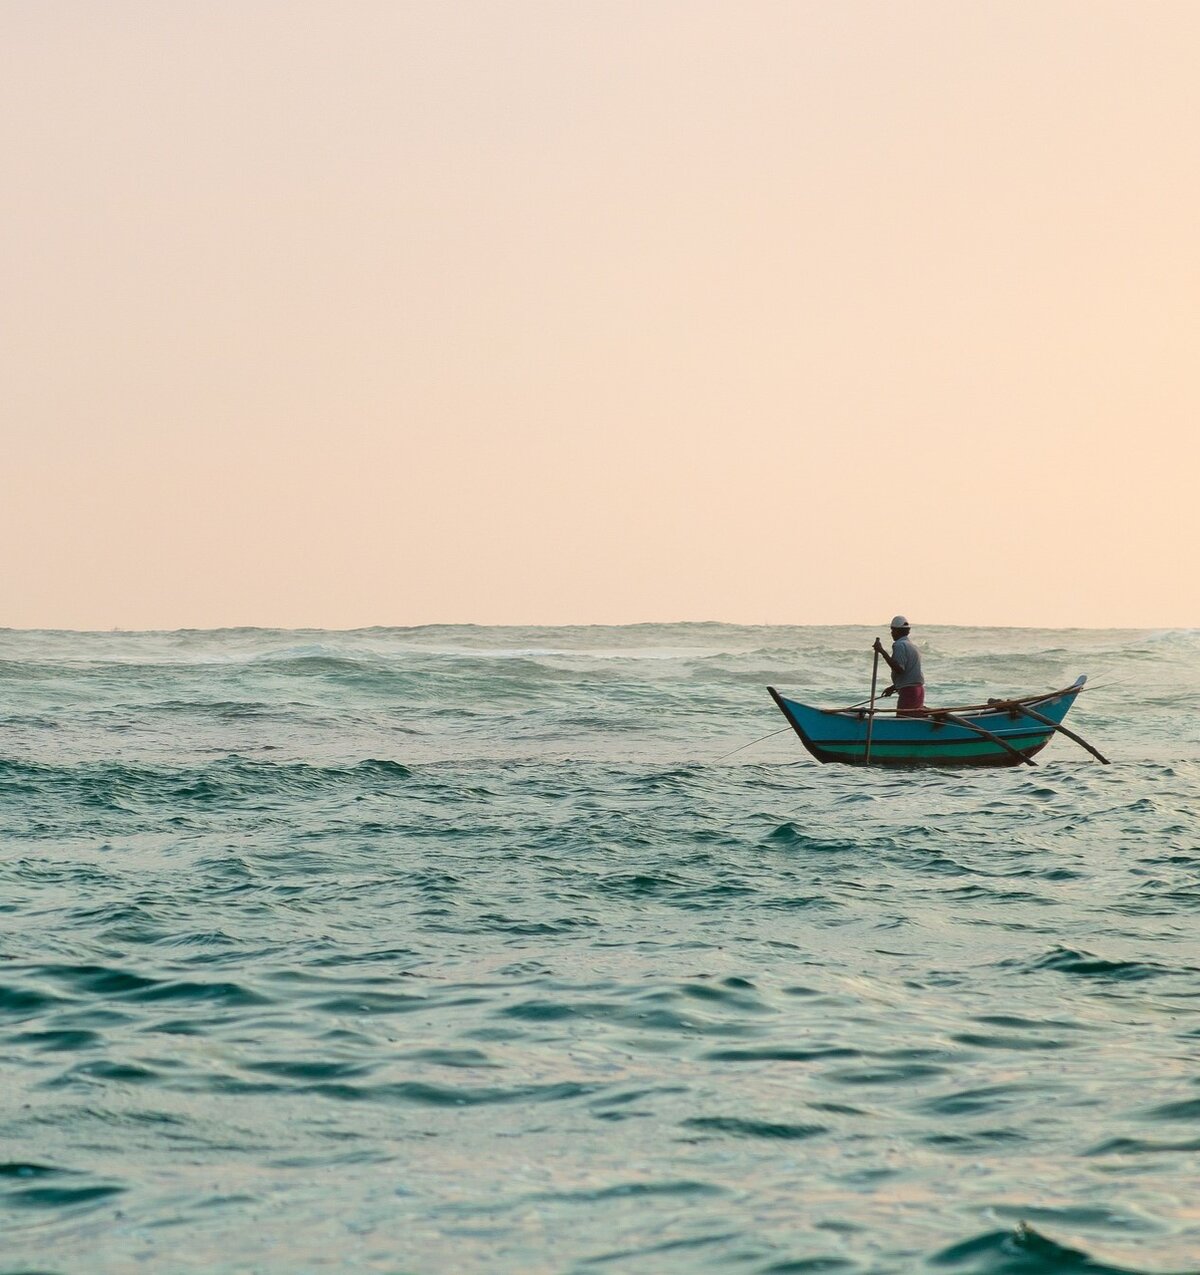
column 933, row 749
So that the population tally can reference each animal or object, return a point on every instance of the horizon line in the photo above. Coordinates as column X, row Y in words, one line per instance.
column 633, row 624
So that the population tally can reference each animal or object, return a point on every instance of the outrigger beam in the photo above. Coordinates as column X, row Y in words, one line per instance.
column 1017, row 707
column 942, row 716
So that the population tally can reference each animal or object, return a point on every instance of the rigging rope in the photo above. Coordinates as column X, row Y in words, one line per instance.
column 739, row 748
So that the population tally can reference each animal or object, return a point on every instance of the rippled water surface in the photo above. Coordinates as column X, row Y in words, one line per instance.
column 458, row 949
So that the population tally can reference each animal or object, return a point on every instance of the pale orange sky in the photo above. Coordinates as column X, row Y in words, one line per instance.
column 392, row 313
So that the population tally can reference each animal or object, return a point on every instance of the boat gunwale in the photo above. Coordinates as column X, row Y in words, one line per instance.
column 999, row 706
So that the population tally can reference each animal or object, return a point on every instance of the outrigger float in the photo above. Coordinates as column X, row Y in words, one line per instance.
column 998, row 733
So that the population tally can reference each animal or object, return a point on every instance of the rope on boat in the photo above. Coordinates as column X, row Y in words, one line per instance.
column 751, row 744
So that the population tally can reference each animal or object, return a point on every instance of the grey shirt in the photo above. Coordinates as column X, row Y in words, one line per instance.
column 909, row 659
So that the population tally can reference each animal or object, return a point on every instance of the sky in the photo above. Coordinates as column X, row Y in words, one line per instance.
column 329, row 314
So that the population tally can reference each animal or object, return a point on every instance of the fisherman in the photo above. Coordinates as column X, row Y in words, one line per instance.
column 905, row 663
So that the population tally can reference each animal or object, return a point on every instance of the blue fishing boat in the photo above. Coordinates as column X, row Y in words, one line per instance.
column 998, row 733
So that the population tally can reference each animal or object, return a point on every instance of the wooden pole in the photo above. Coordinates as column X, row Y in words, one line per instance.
column 1049, row 721
column 941, row 715
column 871, row 710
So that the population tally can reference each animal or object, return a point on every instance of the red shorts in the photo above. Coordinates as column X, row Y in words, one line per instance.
column 911, row 701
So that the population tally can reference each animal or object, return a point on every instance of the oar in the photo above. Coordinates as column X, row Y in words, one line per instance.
column 871, row 710
column 940, row 714
column 1049, row 721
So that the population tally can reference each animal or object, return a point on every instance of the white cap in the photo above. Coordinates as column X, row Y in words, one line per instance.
column 899, row 622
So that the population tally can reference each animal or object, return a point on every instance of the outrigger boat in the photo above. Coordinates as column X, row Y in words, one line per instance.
column 998, row 733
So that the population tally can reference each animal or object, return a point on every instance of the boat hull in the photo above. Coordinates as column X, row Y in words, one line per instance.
column 841, row 736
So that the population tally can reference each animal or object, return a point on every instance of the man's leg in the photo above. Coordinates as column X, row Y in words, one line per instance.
column 911, row 702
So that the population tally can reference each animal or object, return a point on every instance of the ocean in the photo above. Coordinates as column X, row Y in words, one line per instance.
column 466, row 949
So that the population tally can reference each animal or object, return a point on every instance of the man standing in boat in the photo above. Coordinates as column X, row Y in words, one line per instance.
column 905, row 663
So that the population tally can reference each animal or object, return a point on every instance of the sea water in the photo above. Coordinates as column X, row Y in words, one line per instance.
column 462, row 949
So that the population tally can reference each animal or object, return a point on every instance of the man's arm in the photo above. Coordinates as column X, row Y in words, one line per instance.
column 896, row 669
